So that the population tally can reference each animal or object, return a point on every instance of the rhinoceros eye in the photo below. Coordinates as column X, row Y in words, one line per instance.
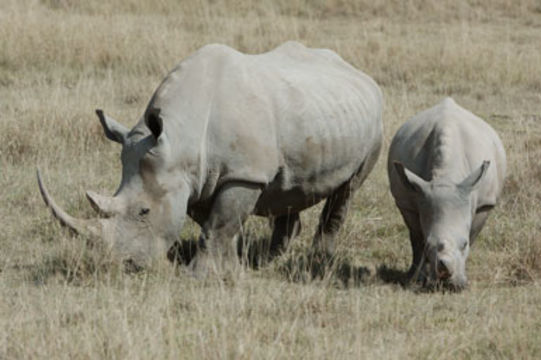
column 144, row 211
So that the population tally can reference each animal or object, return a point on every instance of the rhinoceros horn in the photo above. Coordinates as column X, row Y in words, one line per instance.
column 103, row 205
column 79, row 226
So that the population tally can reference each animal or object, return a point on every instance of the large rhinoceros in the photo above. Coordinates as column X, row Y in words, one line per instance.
column 446, row 167
column 227, row 135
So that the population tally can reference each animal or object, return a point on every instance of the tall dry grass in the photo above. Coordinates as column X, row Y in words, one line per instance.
column 61, row 59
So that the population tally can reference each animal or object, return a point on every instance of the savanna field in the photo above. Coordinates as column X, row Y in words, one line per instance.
column 59, row 298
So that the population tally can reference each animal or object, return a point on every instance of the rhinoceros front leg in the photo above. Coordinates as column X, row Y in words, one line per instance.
column 416, row 271
column 217, row 243
column 286, row 227
column 331, row 220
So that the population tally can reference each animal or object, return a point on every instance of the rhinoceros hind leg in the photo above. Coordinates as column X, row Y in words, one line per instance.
column 331, row 219
column 217, row 244
column 286, row 227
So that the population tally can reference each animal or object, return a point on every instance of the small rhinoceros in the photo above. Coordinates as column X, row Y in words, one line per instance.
column 227, row 135
column 446, row 168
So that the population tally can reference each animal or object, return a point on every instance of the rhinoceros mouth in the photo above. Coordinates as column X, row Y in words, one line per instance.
column 445, row 285
column 426, row 276
column 78, row 226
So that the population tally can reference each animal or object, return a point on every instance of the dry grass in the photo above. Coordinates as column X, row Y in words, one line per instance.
column 61, row 59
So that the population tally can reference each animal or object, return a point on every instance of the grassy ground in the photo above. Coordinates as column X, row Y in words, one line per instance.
column 61, row 59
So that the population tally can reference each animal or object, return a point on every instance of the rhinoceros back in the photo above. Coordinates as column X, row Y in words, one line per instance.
column 447, row 141
column 300, row 122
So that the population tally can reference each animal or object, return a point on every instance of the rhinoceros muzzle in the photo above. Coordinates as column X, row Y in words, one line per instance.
column 437, row 275
column 441, row 275
column 442, row 270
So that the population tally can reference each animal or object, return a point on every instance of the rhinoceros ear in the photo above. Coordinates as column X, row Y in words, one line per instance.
column 409, row 179
column 154, row 122
column 113, row 130
column 472, row 180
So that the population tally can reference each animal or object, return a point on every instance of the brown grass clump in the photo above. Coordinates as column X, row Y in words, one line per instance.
column 61, row 298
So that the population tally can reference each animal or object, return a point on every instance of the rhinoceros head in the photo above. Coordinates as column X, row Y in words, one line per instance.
column 145, row 216
column 446, row 211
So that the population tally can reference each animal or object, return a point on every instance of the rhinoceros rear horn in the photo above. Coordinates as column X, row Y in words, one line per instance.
column 113, row 130
column 77, row 225
column 103, row 205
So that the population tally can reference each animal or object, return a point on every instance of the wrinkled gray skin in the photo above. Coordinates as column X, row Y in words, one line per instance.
column 446, row 167
column 227, row 135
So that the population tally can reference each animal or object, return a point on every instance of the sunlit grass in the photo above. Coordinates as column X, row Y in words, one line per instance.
column 60, row 298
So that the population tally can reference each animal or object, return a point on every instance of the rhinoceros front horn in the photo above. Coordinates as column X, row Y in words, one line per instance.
column 79, row 226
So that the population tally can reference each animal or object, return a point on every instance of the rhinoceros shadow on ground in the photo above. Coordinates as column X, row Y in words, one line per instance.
column 391, row 275
column 183, row 251
column 300, row 265
column 334, row 270
column 339, row 270
column 252, row 251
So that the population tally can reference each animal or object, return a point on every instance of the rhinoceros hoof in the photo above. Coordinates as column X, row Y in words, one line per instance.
column 200, row 267
column 205, row 266
column 417, row 277
column 321, row 257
